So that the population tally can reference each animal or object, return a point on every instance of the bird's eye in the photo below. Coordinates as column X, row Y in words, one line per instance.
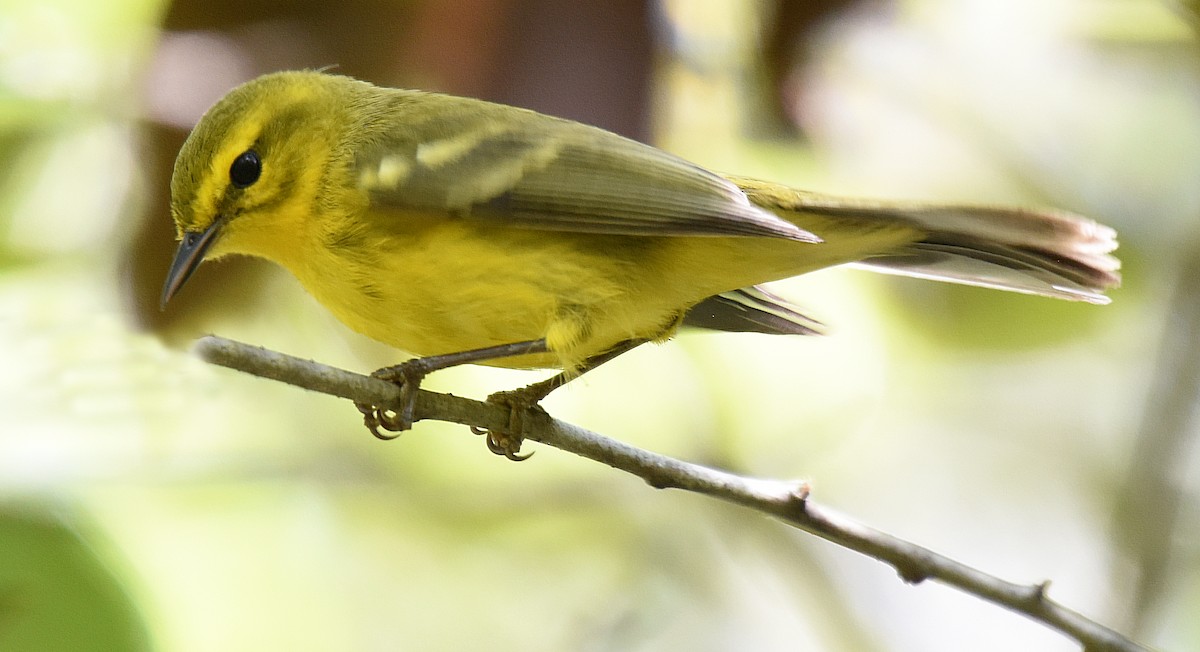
column 246, row 169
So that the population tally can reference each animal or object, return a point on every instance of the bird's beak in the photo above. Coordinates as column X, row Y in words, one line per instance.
column 187, row 258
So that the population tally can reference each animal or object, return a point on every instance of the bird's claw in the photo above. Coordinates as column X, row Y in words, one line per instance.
column 503, row 444
column 375, row 418
column 394, row 421
column 388, row 423
column 507, row 442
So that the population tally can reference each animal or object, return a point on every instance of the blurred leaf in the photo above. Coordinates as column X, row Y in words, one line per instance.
column 56, row 594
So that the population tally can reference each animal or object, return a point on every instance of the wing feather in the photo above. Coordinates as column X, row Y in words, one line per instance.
column 473, row 159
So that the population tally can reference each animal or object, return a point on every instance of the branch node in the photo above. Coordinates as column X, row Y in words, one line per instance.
column 660, row 480
column 799, row 495
column 911, row 574
column 1037, row 593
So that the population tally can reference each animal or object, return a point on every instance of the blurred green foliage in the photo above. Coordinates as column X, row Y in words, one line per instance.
column 208, row 511
column 56, row 592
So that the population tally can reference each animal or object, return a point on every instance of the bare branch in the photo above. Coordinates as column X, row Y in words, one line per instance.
column 787, row 501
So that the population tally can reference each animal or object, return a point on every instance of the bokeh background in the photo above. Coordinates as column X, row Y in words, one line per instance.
column 151, row 502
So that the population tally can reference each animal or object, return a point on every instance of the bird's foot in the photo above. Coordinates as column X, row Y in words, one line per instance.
column 520, row 402
column 407, row 376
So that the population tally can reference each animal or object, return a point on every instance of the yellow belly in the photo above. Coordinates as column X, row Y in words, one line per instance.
column 442, row 285
column 449, row 286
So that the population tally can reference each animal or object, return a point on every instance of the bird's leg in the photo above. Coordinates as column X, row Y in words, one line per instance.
column 408, row 375
column 519, row 401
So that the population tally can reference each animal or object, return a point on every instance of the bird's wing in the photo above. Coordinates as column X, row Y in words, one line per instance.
column 471, row 159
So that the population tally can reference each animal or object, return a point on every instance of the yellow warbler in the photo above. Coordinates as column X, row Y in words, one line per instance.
column 469, row 232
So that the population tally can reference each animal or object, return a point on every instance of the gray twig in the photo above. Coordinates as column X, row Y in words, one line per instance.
column 787, row 501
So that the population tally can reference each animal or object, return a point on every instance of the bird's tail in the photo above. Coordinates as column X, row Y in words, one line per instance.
column 1049, row 253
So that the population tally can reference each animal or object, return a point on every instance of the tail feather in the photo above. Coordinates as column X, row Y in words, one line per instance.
column 1048, row 253
column 751, row 310
column 1051, row 253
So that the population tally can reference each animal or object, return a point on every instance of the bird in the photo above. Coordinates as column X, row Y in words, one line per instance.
column 467, row 232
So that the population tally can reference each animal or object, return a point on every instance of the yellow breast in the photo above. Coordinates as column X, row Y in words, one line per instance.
column 438, row 285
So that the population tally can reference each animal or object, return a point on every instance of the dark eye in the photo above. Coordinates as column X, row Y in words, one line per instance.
column 245, row 169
